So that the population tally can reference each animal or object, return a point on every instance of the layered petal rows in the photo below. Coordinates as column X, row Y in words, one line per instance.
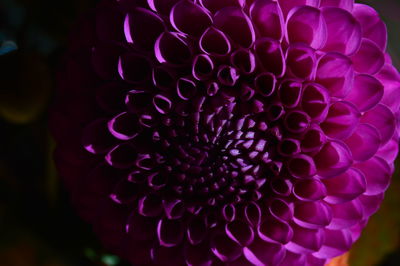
column 227, row 132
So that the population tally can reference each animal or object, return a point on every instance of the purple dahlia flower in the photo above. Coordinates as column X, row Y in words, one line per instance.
column 227, row 132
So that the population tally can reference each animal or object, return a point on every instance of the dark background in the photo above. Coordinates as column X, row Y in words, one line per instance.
column 37, row 224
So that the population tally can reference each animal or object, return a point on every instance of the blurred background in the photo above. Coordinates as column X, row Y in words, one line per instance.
column 37, row 223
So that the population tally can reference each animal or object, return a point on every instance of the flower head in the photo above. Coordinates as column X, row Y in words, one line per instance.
column 227, row 132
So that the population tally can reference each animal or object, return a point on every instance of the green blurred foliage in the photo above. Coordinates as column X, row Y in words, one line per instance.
column 37, row 224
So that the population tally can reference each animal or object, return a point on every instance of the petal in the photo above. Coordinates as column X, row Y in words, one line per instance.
column 96, row 138
column 369, row 59
column 105, row 60
column 382, row 118
column 305, row 240
column 344, row 4
column 301, row 61
column 281, row 210
column 185, row 88
column 252, row 213
column 335, row 72
column 203, row 67
column 296, row 121
column 309, row 190
column 377, row 173
column 290, row 93
column 371, row 204
column 174, row 209
column 198, row 254
column 294, row 259
column 390, row 150
column 190, row 18
column 265, row 84
column 306, row 24
column 171, row 48
column 162, row 6
column 150, row 206
column 341, row 121
column 196, row 231
column 214, row 6
column 390, row 79
column 366, row 93
column 345, row 215
column 121, row 156
column 343, row 31
column 313, row 140
column 336, row 243
column 163, row 78
column 264, row 253
column 286, row 6
column 270, row 54
column 134, row 68
column 373, row 28
column 313, row 214
column 333, row 159
column 124, row 126
column 244, row 60
column 227, row 75
column 225, row 249
column 301, row 166
column 315, row 101
column 240, row 232
column 275, row 231
column 142, row 27
column 236, row 24
column 214, row 42
column 345, row 187
column 267, row 18
column 364, row 142
column 169, row 232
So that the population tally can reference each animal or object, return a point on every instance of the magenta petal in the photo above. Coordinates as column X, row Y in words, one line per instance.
column 313, row 214
column 371, row 203
column 301, row 61
column 344, row 4
column 315, row 101
column 335, row 72
column 236, row 24
column 313, row 140
column 286, row 6
column 134, row 68
column 150, row 206
column 377, row 173
column 373, row 28
column 382, row 118
column 345, row 187
column 174, row 209
column 333, row 159
column 267, row 18
column 390, row 78
column 290, row 93
column 171, row 48
column 124, row 126
column 196, row 231
column 198, row 255
column 275, row 231
column 306, row 24
column 214, row 6
column 264, row 253
column 344, row 32
column 214, row 42
column 96, row 138
column 190, row 18
column 225, row 249
column 341, row 121
column 345, row 215
column 364, row 142
column 389, row 151
column 302, row 166
column 305, row 240
column 240, row 232
column 366, row 93
column 142, row 27
column 281, row 210
column 121, row 156
column 270, row 55
column 336, row 243
column 244, row 60
column 369, row 58
column 203, row 67
column 162, row 6
column 294, row 259
column 309, row 190
column 169, row 232
column 265, row 84
column 297, row 121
